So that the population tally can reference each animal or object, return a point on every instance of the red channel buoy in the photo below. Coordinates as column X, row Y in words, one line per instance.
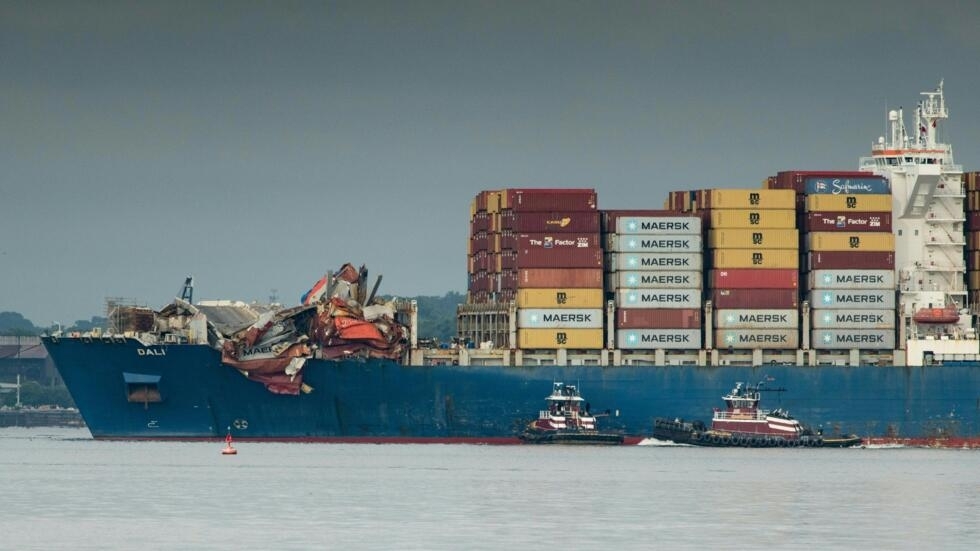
column 228, row 449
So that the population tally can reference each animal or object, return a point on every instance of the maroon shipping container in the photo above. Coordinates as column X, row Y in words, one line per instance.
column 796, row 179
column 479, row 242
column 658, row 318
column 562, row 242
column 848, row 221
column 480, row 262
column 847, row 260
column 551, row 258
column 550, row 222
column 973, row 220
column 549, row 278
column 479, row 222
column 555, row 199
column 755, row 299
column 754, row 278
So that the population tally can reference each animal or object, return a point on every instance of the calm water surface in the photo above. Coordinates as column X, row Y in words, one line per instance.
column 62, row 490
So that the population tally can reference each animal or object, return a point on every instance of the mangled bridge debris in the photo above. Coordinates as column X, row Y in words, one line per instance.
column 338, row 319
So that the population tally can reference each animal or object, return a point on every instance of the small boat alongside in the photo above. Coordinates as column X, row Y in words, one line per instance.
column 742, row 423
column 568, row 420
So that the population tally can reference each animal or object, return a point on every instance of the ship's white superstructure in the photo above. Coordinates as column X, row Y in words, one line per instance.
column 928, row 209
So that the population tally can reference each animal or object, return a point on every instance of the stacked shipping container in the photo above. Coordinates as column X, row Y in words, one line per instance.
column 544, row 253
column 753, row 251
column 971, row 183
column 849, row 248
column 653, row 273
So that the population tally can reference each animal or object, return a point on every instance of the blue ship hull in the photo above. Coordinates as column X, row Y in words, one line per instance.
column 383, row 401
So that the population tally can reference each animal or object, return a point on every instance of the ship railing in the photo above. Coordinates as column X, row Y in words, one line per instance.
column 758, row 414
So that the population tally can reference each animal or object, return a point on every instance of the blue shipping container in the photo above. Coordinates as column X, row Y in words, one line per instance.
column 846, row 186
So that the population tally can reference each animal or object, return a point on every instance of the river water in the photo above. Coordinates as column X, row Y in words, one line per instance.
column 63, row 490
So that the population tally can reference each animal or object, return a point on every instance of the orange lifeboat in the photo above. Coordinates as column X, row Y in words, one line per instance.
column 949, row 314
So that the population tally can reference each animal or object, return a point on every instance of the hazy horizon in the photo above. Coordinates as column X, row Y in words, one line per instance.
column 256, row 145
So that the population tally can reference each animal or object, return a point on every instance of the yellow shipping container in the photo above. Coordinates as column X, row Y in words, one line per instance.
column 550, row 339
column 752, row 199
column 872, row 202
column 493, row 202
column 973, row 279
column 756, row 258
column 857, row 241
column 560, row 298
column 755, row 219
column 759, row 239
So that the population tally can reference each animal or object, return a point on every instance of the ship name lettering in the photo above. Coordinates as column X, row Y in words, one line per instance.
column 666, row 226
column 665, row 244
column 151, row 351
column 565, row 318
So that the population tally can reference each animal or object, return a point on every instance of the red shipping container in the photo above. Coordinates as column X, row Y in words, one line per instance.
column 973, row 220
column 847, row 260
column 550, row 222
column 755, row 299
column 551, row 258
column 544, row 199
column 848, row 221
column 754, row 278
column 658, row 318
column 549, row 278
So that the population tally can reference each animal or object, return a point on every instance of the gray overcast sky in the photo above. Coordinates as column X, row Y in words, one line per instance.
column 256, row 145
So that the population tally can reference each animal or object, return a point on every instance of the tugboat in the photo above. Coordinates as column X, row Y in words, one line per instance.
column 568, row 420
column 742, row 424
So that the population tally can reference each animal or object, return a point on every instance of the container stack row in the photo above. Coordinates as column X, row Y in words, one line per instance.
column 542, row 251
column 654, row 264
column 851, row 278
column 753, row 252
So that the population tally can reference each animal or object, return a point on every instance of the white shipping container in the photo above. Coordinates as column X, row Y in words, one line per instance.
column 756, row 319
column 852, row 279
column 653, row 243
column 658, row 298
column 559, row 318
column 651, row 339
column 750, row 339
column 848, row 339
column 655, row 279
column 853, row 319
column 853, row 299
column 648, row 225
column 654, row 261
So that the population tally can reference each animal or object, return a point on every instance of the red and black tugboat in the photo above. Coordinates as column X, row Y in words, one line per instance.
column 568, row 420
column 743, row 424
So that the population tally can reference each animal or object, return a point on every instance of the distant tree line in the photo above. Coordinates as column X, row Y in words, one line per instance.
column 16, row 325
column 437, row 319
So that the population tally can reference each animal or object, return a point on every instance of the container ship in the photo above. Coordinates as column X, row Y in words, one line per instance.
column 849, row 290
